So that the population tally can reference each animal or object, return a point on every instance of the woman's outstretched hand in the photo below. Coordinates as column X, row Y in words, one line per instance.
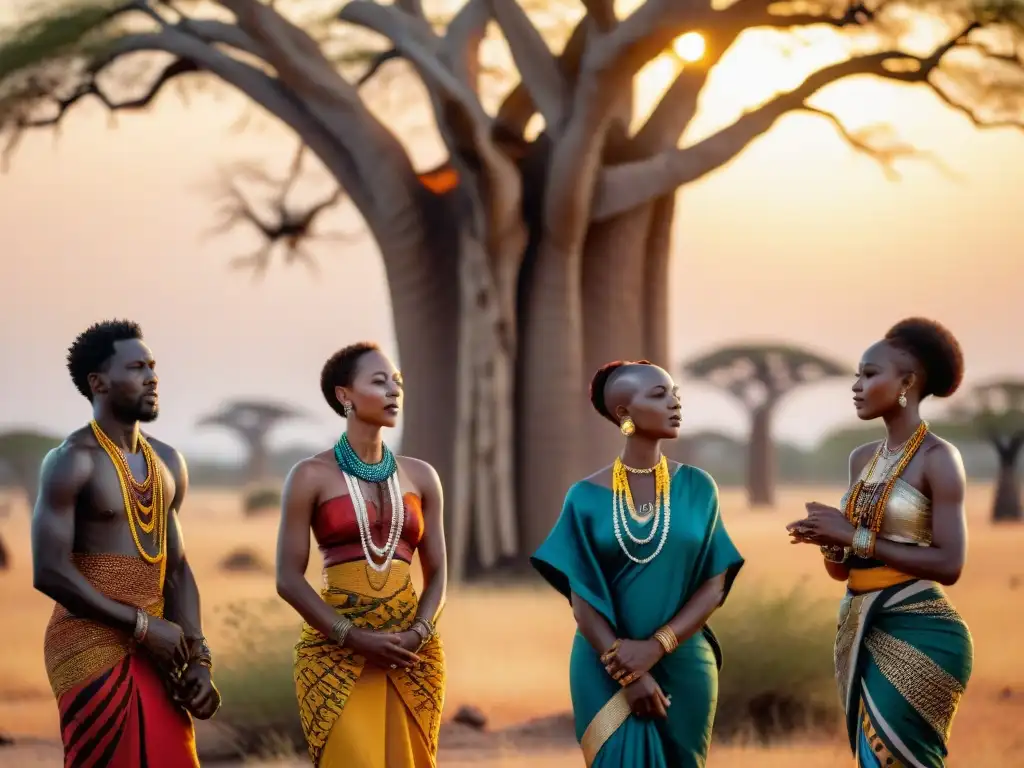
column 823, row 525
column 629, row 659
column 646, row 699
column 382, row 649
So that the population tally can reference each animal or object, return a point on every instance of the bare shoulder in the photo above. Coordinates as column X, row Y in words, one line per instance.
column 603, row 477
column 168, row 455
column 312, row 470
column 422, row 476
column 67, row 468
column 861, row 455
column 941, row 455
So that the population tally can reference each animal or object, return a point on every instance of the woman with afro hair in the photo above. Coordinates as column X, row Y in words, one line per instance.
column 903, row 654
column 642, row 555
column 369, row 668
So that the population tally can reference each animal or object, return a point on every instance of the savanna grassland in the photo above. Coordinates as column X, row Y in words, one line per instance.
column 507, row 648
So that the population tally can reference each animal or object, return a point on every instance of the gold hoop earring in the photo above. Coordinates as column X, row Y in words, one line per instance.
column 902, row 399
column 627, row 427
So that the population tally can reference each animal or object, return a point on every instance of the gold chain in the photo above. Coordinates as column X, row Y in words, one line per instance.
column 871, row 514
column 134, row 509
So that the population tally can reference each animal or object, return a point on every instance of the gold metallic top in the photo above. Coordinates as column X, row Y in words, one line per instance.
column 908, row 514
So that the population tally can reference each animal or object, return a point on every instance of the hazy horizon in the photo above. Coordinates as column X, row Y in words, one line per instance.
column 800, row 240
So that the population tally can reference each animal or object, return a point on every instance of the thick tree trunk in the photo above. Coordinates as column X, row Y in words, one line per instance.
column 550, row 376
column 423, row 281
column 259, row 461
column 1007, row 506
column 761, row 458
column 613, row 317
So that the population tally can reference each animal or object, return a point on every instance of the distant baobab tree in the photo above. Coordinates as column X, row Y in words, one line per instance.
column 252, row 421
column 760, row 376
column 538, row 246
column 22, row 452
column 996, row 411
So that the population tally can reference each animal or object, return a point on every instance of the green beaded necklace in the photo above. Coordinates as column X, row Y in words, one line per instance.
column 350, row 463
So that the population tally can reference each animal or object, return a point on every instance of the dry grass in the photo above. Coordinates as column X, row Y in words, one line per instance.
column 508, row 649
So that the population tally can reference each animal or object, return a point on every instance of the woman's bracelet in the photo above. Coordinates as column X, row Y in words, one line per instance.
column 864, row 543
column 340, row 629
column 667, row 637
column 834, row 553
column 423, row 627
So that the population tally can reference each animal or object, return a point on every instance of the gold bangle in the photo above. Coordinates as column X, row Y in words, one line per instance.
column 864, row 543
column 632, row 677
column 340, row 629
column 667, row 637
column 834, row 554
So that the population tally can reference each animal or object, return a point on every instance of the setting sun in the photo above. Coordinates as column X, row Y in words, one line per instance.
column 689, row 47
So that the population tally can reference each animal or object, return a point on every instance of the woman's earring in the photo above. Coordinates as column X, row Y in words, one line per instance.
column 627, row 427
column 346, row 409
column 902, row 399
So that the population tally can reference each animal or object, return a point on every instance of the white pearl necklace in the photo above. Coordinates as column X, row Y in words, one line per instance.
column 618, row 511
column 622, row 509
column 387, row 552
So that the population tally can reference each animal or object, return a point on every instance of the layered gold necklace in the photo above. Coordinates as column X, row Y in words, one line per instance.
column 623, row 509
column 869, row 512
column 143, row 502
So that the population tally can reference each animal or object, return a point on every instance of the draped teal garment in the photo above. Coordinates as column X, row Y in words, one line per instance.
column 582, row 555
column 903, row 660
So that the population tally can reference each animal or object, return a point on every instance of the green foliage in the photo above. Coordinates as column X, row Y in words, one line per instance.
column 261, row 500
column 21, row 454
column 777, row 676
column 69, row 29
column 255, row 679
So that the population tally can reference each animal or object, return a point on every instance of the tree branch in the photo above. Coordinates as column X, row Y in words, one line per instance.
column 536, row 64
column 628, row 185
column 461, row 44
column 518, row 107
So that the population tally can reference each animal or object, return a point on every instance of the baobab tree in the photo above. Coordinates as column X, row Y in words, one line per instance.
column 525, row 259
column 760, row 376
column 252, row 421
column 996, row 411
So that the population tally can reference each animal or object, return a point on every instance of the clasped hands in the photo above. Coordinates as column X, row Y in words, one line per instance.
column 629, row 663
column 824, row 526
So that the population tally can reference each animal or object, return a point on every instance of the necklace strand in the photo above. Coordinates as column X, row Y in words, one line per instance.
column 622, row 500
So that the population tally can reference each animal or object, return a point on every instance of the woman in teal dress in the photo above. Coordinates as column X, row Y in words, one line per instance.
column 903, row 654
column 642, row 554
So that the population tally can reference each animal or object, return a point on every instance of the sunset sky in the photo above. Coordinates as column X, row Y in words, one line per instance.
column 799, row 240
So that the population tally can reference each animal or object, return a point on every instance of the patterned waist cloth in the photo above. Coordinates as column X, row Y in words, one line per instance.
column 76, row 649
column 326, row 673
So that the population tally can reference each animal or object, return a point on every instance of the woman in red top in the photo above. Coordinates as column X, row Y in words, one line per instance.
column 369, row 668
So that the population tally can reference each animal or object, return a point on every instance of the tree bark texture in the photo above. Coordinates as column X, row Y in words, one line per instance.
column 518, row 266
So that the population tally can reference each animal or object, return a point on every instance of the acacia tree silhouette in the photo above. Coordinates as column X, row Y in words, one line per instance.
column 524, row 260
column 252, row 421
column 760, row 376
column 996, row 411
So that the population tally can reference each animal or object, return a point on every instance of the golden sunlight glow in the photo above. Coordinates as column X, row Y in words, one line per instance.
column 689, row 47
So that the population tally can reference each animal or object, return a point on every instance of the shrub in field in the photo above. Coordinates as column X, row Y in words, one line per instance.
column 254, row 675
column 260, row 500
column 777, row 677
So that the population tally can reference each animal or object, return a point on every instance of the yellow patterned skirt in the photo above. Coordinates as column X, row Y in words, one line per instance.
column 355, row 715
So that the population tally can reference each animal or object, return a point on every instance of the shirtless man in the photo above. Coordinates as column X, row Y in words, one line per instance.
column 124, row 648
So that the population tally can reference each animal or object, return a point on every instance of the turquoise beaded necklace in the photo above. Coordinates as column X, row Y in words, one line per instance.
column 350, row 463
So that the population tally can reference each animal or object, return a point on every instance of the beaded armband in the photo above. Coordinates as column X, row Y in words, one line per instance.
column 864, row 543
